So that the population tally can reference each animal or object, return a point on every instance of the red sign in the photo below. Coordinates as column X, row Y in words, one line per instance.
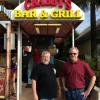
column 2, row 82
column 2, row 89
column 29, row 4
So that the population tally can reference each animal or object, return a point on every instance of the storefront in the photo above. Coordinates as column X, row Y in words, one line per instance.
column 57, row 19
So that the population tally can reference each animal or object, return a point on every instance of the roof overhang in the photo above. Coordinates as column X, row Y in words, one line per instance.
column 67, row 21
column 86, row 32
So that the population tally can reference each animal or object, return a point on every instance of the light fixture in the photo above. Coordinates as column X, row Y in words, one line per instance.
column 37, row 30
column 40, row 24
column 47, row 24
column 57, row 30
column 54, row 24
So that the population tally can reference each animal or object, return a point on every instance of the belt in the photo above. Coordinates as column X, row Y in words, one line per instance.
column 75, row 89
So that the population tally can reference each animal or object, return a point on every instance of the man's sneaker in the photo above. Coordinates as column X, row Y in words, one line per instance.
column 13, row 94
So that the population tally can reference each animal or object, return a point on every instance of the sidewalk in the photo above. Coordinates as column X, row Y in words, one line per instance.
column 26, row 93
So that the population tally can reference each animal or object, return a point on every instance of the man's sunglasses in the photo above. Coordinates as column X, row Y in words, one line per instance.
column 72, row 53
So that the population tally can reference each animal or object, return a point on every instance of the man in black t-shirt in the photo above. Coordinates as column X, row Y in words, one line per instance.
column 44, row 84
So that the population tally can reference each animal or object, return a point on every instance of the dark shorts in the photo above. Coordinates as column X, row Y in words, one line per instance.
column 14, row 69
column 75, row 94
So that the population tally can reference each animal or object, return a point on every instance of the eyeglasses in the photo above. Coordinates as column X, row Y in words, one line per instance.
column 72, row 53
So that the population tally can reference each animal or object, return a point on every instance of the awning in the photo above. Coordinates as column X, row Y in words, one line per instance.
column 55, row 24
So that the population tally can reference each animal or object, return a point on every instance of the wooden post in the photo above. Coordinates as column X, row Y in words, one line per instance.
column 7, row 85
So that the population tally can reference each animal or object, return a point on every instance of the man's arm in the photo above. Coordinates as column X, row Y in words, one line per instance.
column 35, row 96
column 58, row 87
column 58, row 83
column 63, row 83
column 91, row 84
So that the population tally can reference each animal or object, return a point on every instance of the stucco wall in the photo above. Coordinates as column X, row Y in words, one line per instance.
column 85, row 47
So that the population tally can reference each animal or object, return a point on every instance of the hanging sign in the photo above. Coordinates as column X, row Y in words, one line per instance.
column 54, row 14
column 48, row 10
column 29, row 4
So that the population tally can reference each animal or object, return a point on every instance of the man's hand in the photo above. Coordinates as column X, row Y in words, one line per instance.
column 91, row 84
column 65, row 89
column 86, row 93
column 35, row 97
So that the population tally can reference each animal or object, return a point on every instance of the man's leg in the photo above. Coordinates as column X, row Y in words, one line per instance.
column 79, row 95
column 68, row 95
column 76, row 95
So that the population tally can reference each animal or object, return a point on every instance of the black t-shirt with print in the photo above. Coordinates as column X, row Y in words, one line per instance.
column 45, row 77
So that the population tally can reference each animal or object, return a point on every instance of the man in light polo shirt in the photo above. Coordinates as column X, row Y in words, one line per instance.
column 74, row 73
